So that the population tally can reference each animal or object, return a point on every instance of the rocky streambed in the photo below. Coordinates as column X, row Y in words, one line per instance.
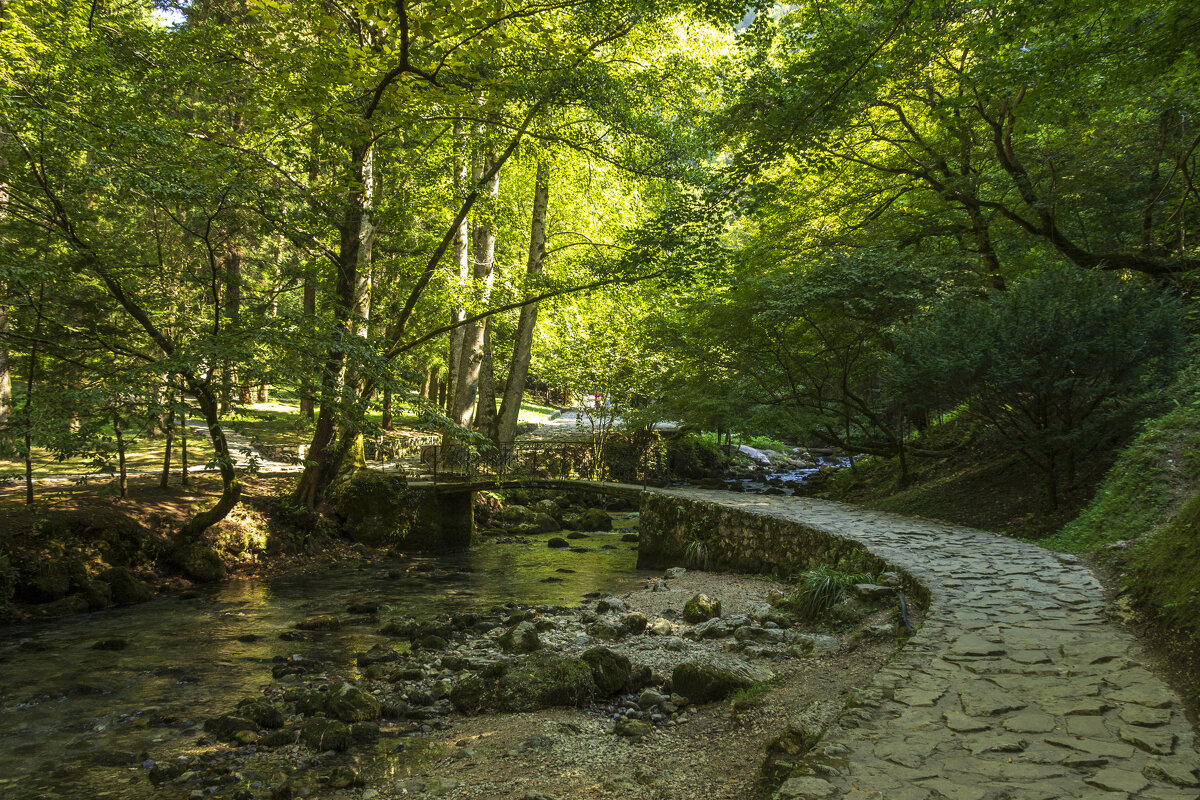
column 695, row 686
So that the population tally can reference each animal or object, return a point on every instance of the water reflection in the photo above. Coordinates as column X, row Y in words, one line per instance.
column 66, row 706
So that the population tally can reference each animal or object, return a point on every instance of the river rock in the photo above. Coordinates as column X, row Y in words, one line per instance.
column 612, row 604
column 45, row 581
column 700, row 608
column 342, row 777
column 539, row 681
column 630, row 537
column 349, row 703
column 675, row 573
column 279, row 738
column 126, row 589
column 550, row 508
column 661, row 627
column 517, row 515
column 872, row 592
column 401, row 627
column 262, row 712
column 544, row 523
column 226, row 726
column 321, row 622
column 594, row 519
column 521, row 638
column 605, row 630
column 558, row 541
column 611, row 671
column 379, row 654
column 632, row 728
column 111, row 643
column 705, row 681
column 323, row 734
column 198, row 563
column 633, row 623
column 167, row 771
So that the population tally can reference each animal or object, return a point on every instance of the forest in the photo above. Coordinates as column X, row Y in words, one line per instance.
column 943, row 252
column 834, row 223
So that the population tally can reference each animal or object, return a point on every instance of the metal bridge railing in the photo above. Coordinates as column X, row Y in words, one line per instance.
column 618, row 461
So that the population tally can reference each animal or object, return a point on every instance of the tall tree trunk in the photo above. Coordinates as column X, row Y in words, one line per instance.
column 425, row 382
column 484, row 246
column 386, row 421
column 6, row 438
column 485, row 410
column 462, row 266
column 169, row 430
column 122, row 475
column 33, row 353
column 231, row 487
column 366, row 244
column 264, row 389
column 326, row 449
column 307, row 388
column 1154, row 192
column 231, row 264
column 183, row 442
column 518, row 370
column 983, row 246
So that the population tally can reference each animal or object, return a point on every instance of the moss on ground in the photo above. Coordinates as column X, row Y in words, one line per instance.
column 1164, row 581
column 1150, row 479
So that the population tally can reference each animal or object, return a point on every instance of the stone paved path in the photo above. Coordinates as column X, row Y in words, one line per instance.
column 244, row 453
column 1015, row 688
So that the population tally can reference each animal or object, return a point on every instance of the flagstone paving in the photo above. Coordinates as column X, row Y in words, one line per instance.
column 1016, row 686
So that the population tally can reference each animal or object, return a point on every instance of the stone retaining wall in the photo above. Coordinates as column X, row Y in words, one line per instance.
column 673, row 529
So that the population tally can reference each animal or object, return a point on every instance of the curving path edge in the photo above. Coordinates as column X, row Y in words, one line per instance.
column 1015, row 688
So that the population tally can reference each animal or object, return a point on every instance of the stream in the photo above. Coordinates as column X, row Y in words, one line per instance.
column 67, row 706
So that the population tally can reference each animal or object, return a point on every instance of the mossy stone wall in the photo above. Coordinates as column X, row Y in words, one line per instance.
column 678, row 531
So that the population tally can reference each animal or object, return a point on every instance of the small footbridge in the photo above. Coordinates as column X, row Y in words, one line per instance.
column 440, row 482
column 614, row 467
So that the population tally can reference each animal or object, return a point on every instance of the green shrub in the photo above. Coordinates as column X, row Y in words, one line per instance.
column 693, row 456
column 820, row 589
column 1060, row 365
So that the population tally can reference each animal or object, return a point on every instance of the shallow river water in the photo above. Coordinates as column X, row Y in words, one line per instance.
column 67, row 707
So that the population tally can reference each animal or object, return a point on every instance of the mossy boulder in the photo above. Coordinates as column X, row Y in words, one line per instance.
column 517, row 515
column 705, row 681
column 45, row 581
column 520, row 638
column 701, row 608
column 373, row 506
column 634, row 622
column 263, row 713
column 544, row 523
column 610, row 671
column 8, row 579
column 321, row 733
column 594, row 519
column 227, row 726
column 97, row 594
column 279, row 738
column 541, row 681
column 125, row 587
column 199, row 563
column 349, row 703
